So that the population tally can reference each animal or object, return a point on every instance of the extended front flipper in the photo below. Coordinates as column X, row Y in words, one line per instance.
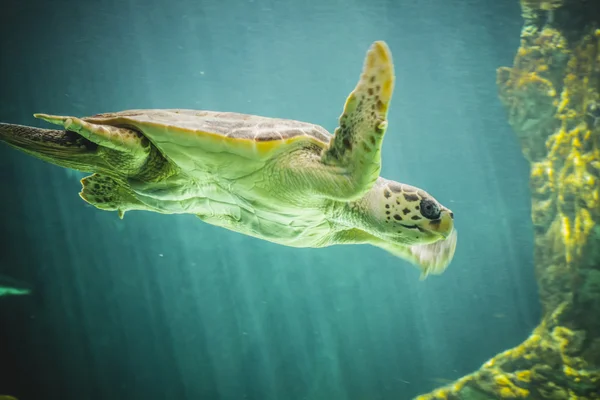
column 356, row 145
column 432, row 258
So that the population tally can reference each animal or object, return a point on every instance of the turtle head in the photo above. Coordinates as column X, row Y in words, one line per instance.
column 408, row 215
column 407, row 222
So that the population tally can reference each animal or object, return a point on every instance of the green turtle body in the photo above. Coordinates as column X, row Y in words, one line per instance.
column 284, row 181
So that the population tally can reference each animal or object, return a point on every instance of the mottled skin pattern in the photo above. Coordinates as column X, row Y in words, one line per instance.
column 285, row 181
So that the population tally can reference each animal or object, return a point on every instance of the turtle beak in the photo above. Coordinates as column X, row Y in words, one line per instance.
column 63, row 148
column 444, row 225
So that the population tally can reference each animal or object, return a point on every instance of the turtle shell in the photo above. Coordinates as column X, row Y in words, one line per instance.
column 179, row 131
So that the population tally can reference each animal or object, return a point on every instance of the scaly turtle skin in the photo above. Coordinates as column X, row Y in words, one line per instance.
column 284, row 181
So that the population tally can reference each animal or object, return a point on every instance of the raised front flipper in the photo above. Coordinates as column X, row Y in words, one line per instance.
column 356, row 146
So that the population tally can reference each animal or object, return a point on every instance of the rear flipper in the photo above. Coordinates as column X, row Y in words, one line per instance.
column 106, row 193
column 112, row 137
column 124, row 149
column 63, row 148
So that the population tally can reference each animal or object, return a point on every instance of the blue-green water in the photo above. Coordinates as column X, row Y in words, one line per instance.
column 166, row 307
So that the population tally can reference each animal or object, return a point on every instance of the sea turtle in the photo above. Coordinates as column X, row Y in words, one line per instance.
column 284, row 181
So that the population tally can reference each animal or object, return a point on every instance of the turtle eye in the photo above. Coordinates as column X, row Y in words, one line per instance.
column 430, row 209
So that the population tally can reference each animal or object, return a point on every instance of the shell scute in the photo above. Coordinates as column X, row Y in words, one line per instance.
column 239, row 133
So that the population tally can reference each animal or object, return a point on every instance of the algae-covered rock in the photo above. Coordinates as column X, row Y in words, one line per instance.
column 552, row 98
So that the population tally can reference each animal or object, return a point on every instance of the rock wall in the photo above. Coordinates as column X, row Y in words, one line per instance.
column 552, row 98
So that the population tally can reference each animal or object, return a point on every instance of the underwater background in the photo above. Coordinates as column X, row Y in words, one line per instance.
column 165, row 307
